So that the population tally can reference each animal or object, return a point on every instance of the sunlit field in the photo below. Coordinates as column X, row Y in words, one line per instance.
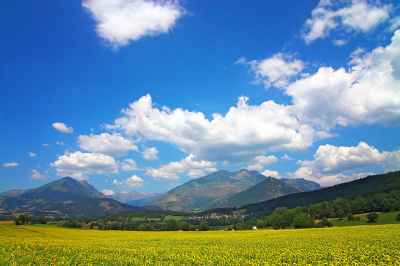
column 44, row 245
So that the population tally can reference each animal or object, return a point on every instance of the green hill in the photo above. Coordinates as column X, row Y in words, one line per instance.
column 364, row 187
column 268, row 189
column 209, row 191
column 302, row 184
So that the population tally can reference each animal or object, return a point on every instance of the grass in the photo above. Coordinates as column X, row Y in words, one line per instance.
column 176, row 218
column 384, row 218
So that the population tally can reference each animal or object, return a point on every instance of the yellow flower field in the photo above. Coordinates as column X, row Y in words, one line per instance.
column 356, row 245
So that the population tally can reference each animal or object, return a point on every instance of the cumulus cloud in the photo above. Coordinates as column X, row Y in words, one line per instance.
column 276, row 70
column 60, row 143
column 129, row 165
column 120, row 21
column 190, row 164
column 114, row 145
column 115, row 182
column 195, row 173
column 367, row 93
column 79, row 165
column 63, row 127
column 273, row 174
column 150, row 154
column 108, row 192
column 350, row 16
column 330, row 162
column 133, row 182
column 13, row 164
column 45, row 144
column 329, row 159
column 33, row 155
column 243, row 133
column 160, row 174
column 260, row 161
column 35, row 175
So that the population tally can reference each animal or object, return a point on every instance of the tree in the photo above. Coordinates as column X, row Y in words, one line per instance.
column 91, row 225
column 340, row 214
column 184, row 226
column 203, row 225
column 372, row 217
column 141, row 227
column 303, row 221
column 398, row 217
column 42, row 220
column 350, row 217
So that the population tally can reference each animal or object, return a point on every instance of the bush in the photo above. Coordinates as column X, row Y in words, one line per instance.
column 42, row 220
column 398, row 217
column 372, row 217
column 350, row 217
column 325, row 223
column 357, row 218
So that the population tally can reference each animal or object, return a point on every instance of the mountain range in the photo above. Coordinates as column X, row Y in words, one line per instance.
column 223, row 188
column 135, row 199
column 68, row 197
column 62, row 198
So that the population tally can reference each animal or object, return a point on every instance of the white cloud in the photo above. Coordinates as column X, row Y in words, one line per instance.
column 367, row 93
column 260, row 161
column 120, row 21
column 195, row 173
column 45, row 144
column 395, row 24
column 60, row 143
column 392, row 161
column 329, row 159
column 78, row 165
column 108, row 192
column 114, row 145
column 150, row 154
column 129, row 165
column 276, row 70
column 243, row 133
column 190, row 164
column 339, row 42
column 33, row 155
column 133, row 182
column 330, row 162
column 115, row 182
column 356, row 16
column 160, row 174
column 273, row 174
column 35, row 175
column 286, row 157
column 63, row 127
column 13, row 164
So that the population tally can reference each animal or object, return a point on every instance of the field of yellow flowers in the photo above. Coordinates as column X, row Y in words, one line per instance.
column 358, row 245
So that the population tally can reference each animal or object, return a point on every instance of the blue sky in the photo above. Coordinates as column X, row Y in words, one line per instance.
column 144, row 96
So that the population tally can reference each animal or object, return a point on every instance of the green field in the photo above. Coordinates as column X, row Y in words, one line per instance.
column 384, row 218
column 176, row 218
column 43, row 245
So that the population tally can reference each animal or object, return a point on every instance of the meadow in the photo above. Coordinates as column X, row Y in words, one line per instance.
column 49, row 245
